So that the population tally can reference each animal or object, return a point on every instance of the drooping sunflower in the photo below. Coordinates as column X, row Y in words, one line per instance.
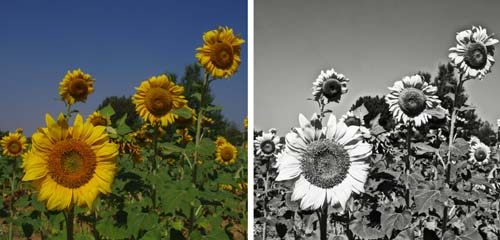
column 329, row 85
column 327, row 164
column 76, row 86
column 409, row 98
column 473, row 55
column 226, row 154
column 479, row 153
column 97, row 119
column 220, row 54
column 13, row 144
column 156, row 98
column 220, row 140
column 267, row 145
column 70, row 165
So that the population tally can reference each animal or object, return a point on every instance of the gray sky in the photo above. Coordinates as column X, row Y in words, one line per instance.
column 373, row 43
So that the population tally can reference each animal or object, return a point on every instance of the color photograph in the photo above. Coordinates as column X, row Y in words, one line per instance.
column 376, row 120
column 123, row 120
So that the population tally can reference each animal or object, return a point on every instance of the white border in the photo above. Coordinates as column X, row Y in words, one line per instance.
column 250, row 80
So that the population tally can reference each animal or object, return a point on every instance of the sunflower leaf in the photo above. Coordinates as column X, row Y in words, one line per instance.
column 107, row 111
column 182, row 112
column 214, row 108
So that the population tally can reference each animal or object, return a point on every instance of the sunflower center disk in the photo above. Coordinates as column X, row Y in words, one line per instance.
column 412, row 101
column 227, row 154
column 332, row 89
column 99, row 121
column 267, row 146
column 480, row 155
column 352, row 121
column 14, row 148
column 476, row 56
column 158, row 101
column 78, row 89
column 222, row 56
column 72, row 163
column 325, row 163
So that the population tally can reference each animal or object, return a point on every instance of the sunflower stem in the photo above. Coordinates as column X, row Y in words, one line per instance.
column 266, row 180
column 408, row 165
column 13, row 192
column 154, row 166
column 450, row 144
column 206, row 82
column 69, row 215
column 323, row 221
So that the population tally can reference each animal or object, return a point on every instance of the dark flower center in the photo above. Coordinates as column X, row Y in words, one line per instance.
column 78, row 89
column 352, row 121
column 222, row 55
column 412, row 101
column 325, row 163
column 480, row 155
column 72, row 163
column 332, row 89
column 267, row 146
column 99, row 121
column 476, row 56
column 227, row 154
column 14, row 148
column 158, row 101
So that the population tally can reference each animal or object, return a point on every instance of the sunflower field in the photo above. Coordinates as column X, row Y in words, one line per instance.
column 167, row 177
column 418, row 175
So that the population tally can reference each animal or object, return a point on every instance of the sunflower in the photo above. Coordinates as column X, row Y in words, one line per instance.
column 70, row 165
column 479, row 153
column 220, row 55
column 473, row 55
column 329, row 85
column 156, row 98
column 76, row 86
column 350, row 119
column 184, row 138
column 182, row 122
column 267, row 145
column 410, row 97
column 13, row 144
column 245, row 122
column 226, row 154
column 220, row 140
column 97, row 119
column 327, row 164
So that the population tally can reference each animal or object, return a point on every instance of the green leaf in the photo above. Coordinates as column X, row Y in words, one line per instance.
column 122, row 127
column 153, row 234
column 428, row 198
column 178, row 224
column 182, row 112
column 170, row 148
column 392, row 220
column 361, row 229
column 437, row 112
column 107, row 111
column 196, row 96
column 214, row 108
column 422, row 148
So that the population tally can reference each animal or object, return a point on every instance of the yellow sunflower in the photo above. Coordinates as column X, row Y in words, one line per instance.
column 220, row 140
column 76, row 86
column 70, row 165
column 185, row 138
column 97, row 119
column 220, row 55
column 245, row 122
column 13, row 144
column 226, row 154
column 156, row 98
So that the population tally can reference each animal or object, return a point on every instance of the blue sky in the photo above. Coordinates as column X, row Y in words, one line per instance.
column 373, row 43
column 120, row 43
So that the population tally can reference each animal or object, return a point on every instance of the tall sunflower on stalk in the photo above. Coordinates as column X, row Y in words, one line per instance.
column 220, row 54
column 156, row 99
column 70, row 165
column 226, row 154
column 329, row 86
column 409, row 98
column 76, row 86
column 473, row 54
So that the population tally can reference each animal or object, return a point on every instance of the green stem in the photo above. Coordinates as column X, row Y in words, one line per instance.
column 13, row 192
column 68, row 111
column 323, row 222
column 70, row 215
column 154, row 164
column 198, row 128
column 450, row 144
column 408, row 165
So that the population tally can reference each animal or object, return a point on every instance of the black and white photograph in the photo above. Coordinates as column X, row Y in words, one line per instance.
column 376, row 120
